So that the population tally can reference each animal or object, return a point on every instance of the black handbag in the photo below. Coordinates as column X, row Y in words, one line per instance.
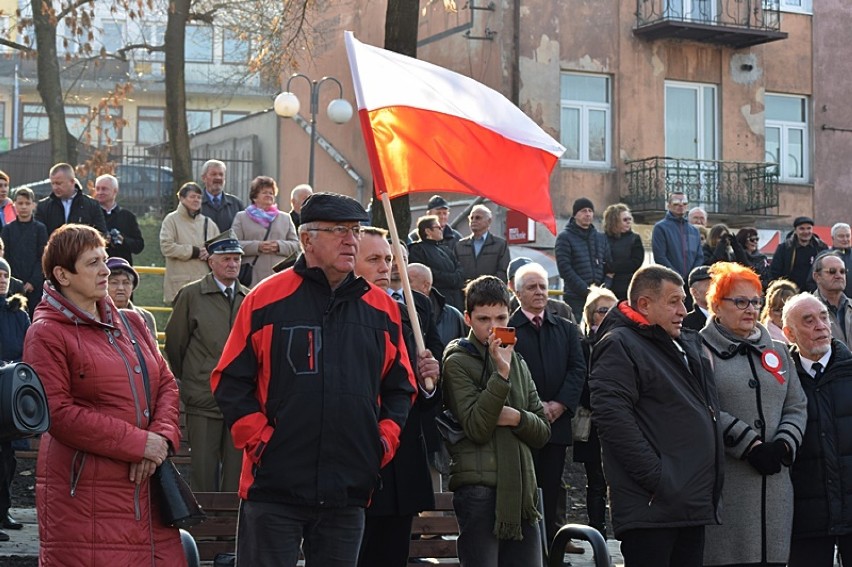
column 247, row 270
column 178, row 506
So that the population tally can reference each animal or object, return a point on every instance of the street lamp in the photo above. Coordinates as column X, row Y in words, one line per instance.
column 287, row 105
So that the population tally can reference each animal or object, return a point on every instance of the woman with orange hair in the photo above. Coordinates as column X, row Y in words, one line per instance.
column 763, row 416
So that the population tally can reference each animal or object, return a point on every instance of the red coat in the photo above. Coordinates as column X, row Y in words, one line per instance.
column 88, row 510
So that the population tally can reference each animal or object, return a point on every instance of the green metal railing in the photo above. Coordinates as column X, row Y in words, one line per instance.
column 728, row 187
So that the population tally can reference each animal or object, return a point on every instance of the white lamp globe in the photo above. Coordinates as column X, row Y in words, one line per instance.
column 339, row 111
column 286, row 105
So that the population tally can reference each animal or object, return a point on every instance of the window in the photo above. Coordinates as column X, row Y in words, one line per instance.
column 35, row 125
column 155, row 36
column 585, row 119
column 231, row 115
column 112, row 38
column 787, row 136
column 690, row 121
column 199, row 44
column 150, row 126
column 798, row 6
column 234, row 49
column 198, row 120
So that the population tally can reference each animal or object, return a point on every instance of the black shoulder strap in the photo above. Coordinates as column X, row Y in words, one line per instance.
column 144, row 367
column 471, row 349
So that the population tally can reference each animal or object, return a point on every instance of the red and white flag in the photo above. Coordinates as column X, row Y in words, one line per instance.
column 428, row 129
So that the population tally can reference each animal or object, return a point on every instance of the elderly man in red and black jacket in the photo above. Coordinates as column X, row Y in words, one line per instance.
column 315, row 385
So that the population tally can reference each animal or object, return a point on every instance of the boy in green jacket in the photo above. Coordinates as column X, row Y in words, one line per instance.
column 489, row 390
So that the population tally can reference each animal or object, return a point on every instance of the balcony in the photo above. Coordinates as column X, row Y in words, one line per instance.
column 731, row 191
column 735, row 23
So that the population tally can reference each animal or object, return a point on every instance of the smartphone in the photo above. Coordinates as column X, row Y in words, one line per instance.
column 505, row 334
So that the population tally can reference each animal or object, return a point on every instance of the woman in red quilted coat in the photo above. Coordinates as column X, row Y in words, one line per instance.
column 93, row 497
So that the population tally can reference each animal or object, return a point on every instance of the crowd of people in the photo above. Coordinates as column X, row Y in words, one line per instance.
column 715, row 380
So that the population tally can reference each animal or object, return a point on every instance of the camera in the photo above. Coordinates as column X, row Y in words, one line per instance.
column 115, row 237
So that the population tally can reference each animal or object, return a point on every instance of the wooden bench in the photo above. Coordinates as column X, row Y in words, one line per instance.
column 217, row 534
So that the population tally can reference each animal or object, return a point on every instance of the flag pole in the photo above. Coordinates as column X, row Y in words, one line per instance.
column 396, row 246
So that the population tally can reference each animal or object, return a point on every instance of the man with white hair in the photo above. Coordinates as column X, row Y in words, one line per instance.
column 697, row 216
column 124, row 239
column 558, row 380
column 822, row 512
column 218, row 206
column 482, row 253
column 297, row 197
column 841, row 244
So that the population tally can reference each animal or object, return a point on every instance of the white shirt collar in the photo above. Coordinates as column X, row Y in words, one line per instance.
column 807, row 364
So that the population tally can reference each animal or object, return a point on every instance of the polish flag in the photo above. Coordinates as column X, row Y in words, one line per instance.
column 428, row 129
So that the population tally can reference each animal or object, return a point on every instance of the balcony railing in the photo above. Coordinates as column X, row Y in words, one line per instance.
column 737, row 23
column 729, row 188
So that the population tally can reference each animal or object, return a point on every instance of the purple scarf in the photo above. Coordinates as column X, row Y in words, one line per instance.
column 261, row 217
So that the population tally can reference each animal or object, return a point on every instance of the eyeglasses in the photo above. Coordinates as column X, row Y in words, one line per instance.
column 743, row 302
column 754, row 239
column 341, row 231
column 434, row 227
column 602, row 310
column 680, row 202
column 833, row 271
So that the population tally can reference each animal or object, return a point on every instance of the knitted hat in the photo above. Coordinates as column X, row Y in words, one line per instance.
column 4, row 266
column 437, row 202
column 580, row 204
column 116, row 264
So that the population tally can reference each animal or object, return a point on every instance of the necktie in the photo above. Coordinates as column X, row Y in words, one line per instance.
column 397, row 296
column 537, row 321
column 816, row 368
column 229, row 293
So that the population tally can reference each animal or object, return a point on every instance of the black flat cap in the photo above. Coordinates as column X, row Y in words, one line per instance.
column 803, row 220
column 698, row 274
column 515, row 265
column 437, row 202
column 332, row 207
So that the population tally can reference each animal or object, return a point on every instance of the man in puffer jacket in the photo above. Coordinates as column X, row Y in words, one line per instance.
column 582, row 255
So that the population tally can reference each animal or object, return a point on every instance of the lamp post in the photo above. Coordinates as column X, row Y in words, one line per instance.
column 339, row 110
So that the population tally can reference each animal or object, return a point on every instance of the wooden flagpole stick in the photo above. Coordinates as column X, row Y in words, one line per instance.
column 406, row 284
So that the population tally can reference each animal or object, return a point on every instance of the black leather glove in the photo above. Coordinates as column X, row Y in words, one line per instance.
column 766, row 457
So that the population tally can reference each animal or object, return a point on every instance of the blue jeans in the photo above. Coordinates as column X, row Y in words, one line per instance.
column 477, row 544
column 270, row 534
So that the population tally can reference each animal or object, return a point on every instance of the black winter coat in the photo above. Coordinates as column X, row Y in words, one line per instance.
column 628, row 254
column 125, row 222
column 25, row 243
column 84, row 210
column 555, row 359
column 663, row 453
column 795, row 262
column 14, row 323
column 583, row 257
column 822, row 477
column 446, row 271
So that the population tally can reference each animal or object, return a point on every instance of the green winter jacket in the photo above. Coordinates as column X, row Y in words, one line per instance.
column 476, row 404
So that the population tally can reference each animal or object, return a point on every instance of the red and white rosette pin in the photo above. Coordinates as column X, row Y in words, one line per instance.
column 771, row 361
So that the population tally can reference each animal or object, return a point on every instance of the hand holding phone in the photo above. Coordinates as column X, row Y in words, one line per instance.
column 505, row 334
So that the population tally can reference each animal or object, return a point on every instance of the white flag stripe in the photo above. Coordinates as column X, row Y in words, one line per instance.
column 386, row 79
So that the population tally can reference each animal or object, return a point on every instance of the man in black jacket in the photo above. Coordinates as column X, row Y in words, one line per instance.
column 558, row 380
column 218, row 206
column 582, row 255
column 699, row 283
column 67, row 203
column 822, row 512
column 654, row 404
column 794, row 258
column 446, row 272
column 124, row 239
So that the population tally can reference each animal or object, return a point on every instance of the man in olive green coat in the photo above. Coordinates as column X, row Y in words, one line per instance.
column 196, row 333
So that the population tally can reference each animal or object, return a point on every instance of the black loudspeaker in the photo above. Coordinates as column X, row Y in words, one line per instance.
column 23, row 404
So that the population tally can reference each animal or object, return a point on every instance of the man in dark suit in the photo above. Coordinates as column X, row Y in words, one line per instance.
column 218, row 206
column 699, row 282
column 68, row 203
column 405, row 487
column 558, row 379
column 482, row 253
column 124, row 238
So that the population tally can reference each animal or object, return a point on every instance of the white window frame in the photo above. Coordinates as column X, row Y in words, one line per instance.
column 785, row 126
column 584, row 107
column 701, row 89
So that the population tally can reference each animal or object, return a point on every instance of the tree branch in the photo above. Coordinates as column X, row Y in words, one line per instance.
column 71, row 7
column 16, row 46
column 121, row 54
